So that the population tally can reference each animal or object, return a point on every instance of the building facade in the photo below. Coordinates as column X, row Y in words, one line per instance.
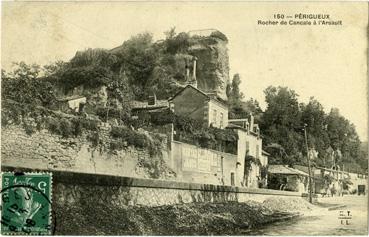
column 204, row 107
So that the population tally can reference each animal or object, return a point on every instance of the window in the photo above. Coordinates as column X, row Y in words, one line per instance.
column 257, row 151
column 214, row 116
column 221, row 120
column 232, row 179
column 248, row 147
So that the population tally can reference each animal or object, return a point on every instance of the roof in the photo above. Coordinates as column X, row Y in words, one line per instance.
column 283, row 169
column 202, row 32
column 142, row 105
column 69, row 98
column 210, row 96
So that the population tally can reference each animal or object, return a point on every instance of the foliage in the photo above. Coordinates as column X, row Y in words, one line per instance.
column 24, row 85
column 219, row 35
column 189, row 130
column 138, row 57
column 176, row 43
column 251, row 160
column 97, row 57
column 281, row 122
column 329, row 134
column 36, row 118
column 126, row 137
column 90, row 76
column 263, row 171
column 328, row 179
column 238, row 108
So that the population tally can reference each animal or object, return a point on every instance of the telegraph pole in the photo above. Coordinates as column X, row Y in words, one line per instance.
column 309, row 168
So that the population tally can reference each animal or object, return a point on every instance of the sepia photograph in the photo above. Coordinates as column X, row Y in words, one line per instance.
column 184, row 118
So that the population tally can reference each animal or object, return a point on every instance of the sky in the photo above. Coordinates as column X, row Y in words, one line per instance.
column 326, row 62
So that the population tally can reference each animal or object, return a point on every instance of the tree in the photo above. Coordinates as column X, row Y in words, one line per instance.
column 314, row 117
column 235, row 93
column 25, row 86
column 343, row 137
column 138, row 56
column 91, row 76
column 235, row 97
column 281, row 121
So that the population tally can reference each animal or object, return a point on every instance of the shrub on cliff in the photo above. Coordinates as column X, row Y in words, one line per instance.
column 126, row 137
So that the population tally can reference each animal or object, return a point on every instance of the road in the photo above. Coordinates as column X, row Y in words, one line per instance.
column 324, row 222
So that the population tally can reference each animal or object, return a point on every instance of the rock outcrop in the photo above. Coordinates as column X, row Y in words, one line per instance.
column 210, row 49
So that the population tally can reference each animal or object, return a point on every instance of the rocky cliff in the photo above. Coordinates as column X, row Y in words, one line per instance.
column 210, row 48
column 160, row 67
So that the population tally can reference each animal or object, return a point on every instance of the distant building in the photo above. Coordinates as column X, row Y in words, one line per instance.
column 152, row 105
column 71, row 103
column 282, row 177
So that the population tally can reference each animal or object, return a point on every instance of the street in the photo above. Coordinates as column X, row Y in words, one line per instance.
column 348, row 220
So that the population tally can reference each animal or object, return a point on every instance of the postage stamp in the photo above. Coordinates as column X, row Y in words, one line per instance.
column 26, row 203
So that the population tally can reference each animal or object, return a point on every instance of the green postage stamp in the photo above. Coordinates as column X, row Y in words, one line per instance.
column 26, row 203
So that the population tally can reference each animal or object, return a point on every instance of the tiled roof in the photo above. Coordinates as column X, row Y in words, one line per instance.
column 210, row 95
column 145, row 104
column 283, row 169
column 68, row 98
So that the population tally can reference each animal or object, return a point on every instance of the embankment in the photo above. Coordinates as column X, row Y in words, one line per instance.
column 112, row 205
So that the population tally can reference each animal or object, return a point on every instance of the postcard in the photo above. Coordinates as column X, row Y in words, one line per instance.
column 184, row 118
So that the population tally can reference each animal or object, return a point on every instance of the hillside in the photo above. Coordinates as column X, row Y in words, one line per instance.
column 160, row 67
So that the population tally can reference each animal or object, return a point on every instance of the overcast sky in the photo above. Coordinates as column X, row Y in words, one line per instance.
column 327, row 62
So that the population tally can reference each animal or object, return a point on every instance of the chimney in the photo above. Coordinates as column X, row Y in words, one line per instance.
column 152, row 100
column 194, row 80
column 251, row 122
column 194, row 68
column 187, row 70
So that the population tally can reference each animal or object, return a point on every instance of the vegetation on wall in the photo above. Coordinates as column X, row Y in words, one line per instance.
column 124, row 137
column 249, row 160
column 35, row 118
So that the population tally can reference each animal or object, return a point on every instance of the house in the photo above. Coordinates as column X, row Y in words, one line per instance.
column 245, row 167
column 282, row 177
column 152, row 105
column 71, row 103
column 204, row 107
column 250, row 158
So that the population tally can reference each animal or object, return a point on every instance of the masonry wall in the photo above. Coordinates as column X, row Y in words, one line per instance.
column 215, row 110
column 191, row 103
column 200, row 165
column 71, row 188
column 247, row 146
column 43, row 150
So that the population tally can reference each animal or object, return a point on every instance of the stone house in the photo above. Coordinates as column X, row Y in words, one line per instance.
column 250, row 156
column 71, row 103
column 152, row 105
column 204, row 107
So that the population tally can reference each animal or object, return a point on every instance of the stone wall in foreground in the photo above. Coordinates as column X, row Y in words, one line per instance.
column 73, row 188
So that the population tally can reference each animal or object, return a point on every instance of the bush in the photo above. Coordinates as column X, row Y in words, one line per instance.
column 65, row 128
column 28, row 128
column 219, row 35
column 53, row 125
column 126, row 137
column 94, row 138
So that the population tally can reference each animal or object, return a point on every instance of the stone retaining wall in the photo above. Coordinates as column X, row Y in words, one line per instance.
column 73, row 188
column 47, row 151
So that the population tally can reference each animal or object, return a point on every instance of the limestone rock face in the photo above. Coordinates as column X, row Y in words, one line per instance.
column 212, row 72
